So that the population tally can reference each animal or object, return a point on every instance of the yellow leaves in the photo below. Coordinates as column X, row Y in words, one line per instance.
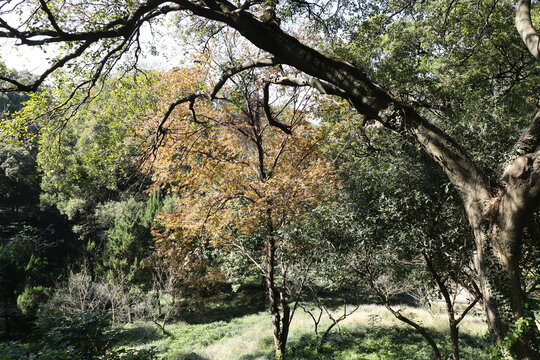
column 229, row 167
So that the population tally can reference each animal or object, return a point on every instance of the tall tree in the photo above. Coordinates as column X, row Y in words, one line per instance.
column 34, row 241
column 478, row 38
column 237, row 176
column 405, row 230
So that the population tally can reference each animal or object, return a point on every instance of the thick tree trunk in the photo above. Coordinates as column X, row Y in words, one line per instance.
column 498, row 232
column 500, row 283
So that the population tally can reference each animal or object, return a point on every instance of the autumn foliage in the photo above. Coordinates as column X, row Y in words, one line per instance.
column 229, row 168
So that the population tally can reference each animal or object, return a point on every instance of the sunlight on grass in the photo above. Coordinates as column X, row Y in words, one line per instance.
column 370, row 333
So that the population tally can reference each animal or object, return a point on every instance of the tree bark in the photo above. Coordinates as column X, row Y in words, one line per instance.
column 498, row 239
column 525, row 28
column 286, row 322
column 272, row 291
column 453, row 324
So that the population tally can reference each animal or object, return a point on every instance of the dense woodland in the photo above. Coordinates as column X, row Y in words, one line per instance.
column 301, row 160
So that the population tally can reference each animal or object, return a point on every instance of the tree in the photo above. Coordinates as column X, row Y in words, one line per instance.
column 433, row 69
column 237, row 176
column 34, row 241
column 393, row 231
column 410, row 235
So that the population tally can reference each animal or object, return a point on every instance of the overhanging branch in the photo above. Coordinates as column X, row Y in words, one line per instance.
column 321, row 86
column 525, row 28
column 242, row 67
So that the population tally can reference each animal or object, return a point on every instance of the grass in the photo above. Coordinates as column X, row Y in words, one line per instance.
column 235, row 327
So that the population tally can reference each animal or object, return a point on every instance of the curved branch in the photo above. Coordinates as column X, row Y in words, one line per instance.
column 321, row 86
column 160, row 130
column 237, row 69
column 120, row 27
column 189, row 98
column 525, row 28
column 268, row 112
column 33, row 87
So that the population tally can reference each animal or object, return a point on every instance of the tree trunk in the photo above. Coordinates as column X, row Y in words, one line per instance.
column 454, row 335
column 500, row 283
column 453, row 324
column 285, row 322
column 498, row 232
column 272, row 291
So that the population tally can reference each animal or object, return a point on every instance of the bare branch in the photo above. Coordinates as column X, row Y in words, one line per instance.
column 50, row 16
column 128, row 25
column 246, row 253
column 33, row 87
column 237, row 69
column 189, row 98
column 471, row 305
column 268, row 112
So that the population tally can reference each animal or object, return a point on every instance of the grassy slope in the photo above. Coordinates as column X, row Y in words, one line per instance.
column 237, row 328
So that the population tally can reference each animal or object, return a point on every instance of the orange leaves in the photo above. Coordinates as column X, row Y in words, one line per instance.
column 230, row 168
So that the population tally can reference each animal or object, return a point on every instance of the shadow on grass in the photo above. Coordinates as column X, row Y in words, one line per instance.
column 250, row 299
column 225, row 305
column 138, row 333
column 191, row 356
column 256, row 356
column 388, row 343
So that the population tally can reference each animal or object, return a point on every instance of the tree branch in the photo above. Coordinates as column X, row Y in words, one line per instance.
column 268, row 112
column 50, row 16
column 525, row 28
column 530, row 139
column 469, row 308
column 322, row 86
column 237, row 69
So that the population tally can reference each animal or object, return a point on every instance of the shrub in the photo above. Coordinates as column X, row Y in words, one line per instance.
column 87, row 334
column 12, row 350
column 29, row 300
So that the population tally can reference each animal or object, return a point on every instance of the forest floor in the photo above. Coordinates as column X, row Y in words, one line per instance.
column 236, row 326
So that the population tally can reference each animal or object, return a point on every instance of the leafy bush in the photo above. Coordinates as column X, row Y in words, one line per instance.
column 84, row 335
column 12, row 350
column 16, row 351
column 31, row 297
column 87, row 334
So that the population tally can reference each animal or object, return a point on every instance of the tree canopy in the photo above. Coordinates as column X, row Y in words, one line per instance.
column 458, row 79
